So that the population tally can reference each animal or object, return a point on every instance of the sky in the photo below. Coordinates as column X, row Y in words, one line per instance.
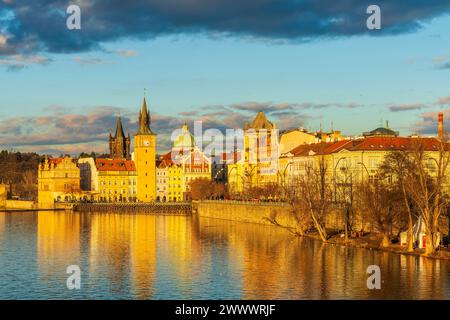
column 304, row 63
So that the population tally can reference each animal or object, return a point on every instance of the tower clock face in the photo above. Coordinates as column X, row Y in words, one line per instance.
column 146, row 143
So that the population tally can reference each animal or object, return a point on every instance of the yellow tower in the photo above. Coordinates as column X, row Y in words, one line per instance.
column 145, row 158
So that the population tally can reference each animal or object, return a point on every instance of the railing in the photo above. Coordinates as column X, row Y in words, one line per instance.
column 181, row 208
column 261, row 203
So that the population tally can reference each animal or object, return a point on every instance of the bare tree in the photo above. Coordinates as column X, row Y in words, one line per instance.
column 381, row 206
column 398, row 166
column 426, row 183
column 314, row 195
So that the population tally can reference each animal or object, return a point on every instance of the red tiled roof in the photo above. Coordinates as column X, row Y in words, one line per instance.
column 114, row 165
column 367, row 144
column 393, row 143
column 55, row 160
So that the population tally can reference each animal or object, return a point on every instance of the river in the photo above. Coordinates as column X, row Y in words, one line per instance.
column 174, row 257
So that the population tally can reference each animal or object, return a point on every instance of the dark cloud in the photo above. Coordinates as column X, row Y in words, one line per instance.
column 406, row 107
column 30, row 26
column 445, row 65
column 428, row 123
column 60, row 130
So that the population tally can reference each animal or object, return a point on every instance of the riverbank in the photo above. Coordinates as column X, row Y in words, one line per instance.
column 372, row 241
column 279, row 214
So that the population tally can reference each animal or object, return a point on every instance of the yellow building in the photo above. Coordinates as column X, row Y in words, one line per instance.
column 145, row 158
column 178, row 168
column 258, row 164
column 58, row 180
column 293, row 138
column 175, row 183
column 117, row 180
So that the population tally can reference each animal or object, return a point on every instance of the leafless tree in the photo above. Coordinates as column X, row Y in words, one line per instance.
column 381, row 206
column 398, row 166
column 427, row 185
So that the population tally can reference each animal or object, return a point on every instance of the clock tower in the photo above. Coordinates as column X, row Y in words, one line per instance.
column 145, row 157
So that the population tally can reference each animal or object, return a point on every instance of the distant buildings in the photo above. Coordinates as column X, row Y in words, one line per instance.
column 116, row 179
column 264, row 158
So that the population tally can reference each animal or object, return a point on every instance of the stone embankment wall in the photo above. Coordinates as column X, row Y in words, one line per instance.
column 18, row 205
column 281, row 214
column 263, row 213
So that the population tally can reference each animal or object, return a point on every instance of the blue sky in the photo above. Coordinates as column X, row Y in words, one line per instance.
column 53, row 101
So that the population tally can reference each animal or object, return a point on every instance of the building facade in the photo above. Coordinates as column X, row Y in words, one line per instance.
column 117, row 180
column 258, row 164
column 58, row 180
column 178, row 168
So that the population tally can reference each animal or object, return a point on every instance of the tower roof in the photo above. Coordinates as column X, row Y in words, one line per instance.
column 144, row 120
column 261, row 122
column 119, row 129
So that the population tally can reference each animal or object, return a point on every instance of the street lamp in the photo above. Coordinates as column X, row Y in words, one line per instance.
column 364, row 166
column 335, row 167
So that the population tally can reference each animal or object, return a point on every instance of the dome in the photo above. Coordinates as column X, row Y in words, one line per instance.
column 185, row 140
column 381, row 131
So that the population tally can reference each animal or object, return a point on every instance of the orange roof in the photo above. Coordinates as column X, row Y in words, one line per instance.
column 393, row 143
column 114, row 165
column 55, row 160
column 375, row 143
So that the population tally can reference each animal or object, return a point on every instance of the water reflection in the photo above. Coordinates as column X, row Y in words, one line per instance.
column 171, row 257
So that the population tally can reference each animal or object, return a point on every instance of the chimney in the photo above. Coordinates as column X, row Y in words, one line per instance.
column 441, row 126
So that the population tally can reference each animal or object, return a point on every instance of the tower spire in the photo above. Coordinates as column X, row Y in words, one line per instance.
column 119, row 129
column 144, row 119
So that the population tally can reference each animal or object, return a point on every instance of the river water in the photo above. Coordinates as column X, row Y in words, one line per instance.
column 172, row 257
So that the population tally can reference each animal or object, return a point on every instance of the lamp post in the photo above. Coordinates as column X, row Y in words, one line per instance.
column 335, row 198
column 364, row 166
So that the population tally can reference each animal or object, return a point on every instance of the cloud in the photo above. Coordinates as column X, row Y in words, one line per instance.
column 40, row 25
column 87, row 61
column 428, row 123
column 443, row 100
column 445, row 65
column 406, row 107
column 17, row 62
column 62, row 130
column 442, row 61
column 269, row 107
column 127, row 53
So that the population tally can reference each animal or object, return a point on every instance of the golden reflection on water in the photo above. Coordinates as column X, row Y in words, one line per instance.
column 131, row 252
column 58, row 242
column 2, row 223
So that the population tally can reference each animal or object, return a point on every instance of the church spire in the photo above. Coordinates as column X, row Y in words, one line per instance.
column 144, row 119
column 119, row 129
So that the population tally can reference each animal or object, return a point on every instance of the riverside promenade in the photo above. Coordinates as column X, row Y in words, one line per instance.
column 156, row 208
